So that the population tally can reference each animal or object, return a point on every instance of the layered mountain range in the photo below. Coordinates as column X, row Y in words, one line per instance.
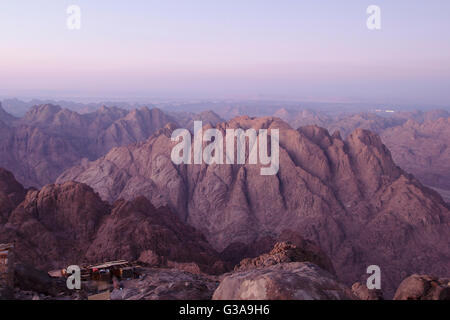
column 419, row 141
column 119, row 196
column 346, row 195
column 49, row 139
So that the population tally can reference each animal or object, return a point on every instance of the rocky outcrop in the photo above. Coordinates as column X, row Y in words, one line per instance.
column 54, row 226
column 286, row 281
column 137, row 230
column 66, row 224
column 285, row 252
column 347, row 196
column 423, row 287
column 363, row 293
column 278, row 275
column 237, row 251
column 136, row 126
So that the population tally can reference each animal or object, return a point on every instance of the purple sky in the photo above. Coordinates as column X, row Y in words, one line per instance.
column 292, row 49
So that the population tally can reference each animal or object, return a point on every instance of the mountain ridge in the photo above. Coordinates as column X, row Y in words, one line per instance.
column 348, row 196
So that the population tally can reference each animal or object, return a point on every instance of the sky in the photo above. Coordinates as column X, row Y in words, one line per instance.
column 319, row 50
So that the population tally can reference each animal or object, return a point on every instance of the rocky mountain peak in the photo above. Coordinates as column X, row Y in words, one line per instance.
column 341, row 194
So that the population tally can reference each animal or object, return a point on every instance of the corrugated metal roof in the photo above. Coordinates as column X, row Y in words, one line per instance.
column 6, row 246
column 109, row 264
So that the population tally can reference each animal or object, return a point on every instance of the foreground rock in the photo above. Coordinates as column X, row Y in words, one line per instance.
column 286, row 281
column 363, row 293
column 284, row 252
column 167, row 284
column 423, row 287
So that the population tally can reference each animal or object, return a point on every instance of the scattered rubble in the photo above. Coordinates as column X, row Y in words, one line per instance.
column 167, row 284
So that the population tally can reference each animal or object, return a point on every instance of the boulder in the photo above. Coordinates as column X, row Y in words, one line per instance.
column 363, row 293
column 423, row 287
column 285, row 281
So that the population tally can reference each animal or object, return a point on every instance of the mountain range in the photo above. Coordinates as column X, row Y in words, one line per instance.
column 117, row 194
column 346, row 195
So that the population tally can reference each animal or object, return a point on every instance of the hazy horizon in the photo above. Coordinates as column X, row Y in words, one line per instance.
column 236, row 49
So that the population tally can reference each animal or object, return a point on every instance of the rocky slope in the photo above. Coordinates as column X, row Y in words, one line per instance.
column 423, row 149
column 419, row 141
column 423, row 287
column 137, row 226
column 68, row 224
column 50, row 139
column 348, row 196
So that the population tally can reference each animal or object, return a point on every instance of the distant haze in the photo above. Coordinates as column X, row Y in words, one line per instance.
column 314, row 50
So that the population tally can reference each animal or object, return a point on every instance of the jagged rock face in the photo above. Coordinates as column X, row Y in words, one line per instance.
column 423, row 287
column 418, row 140
column 66, row 224
column 285, row 252
column 137, row 125
column 48, row 139
column 55, row 225
column 137, row 226
column 363, row 293
column 286, row 281
column 348, row 196
column 11, row 194
column 238, row 251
